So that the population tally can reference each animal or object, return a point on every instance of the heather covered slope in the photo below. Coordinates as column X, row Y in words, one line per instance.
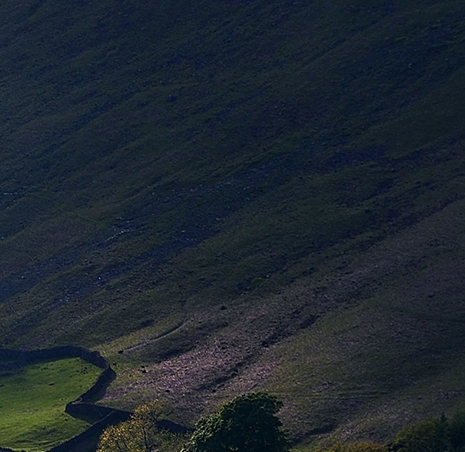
column 240, row 194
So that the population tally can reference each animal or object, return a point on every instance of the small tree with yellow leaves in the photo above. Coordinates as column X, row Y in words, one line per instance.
column 140, row 433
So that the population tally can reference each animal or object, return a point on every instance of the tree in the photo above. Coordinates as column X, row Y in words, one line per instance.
column 118, row 438
column 246, row 424
column 140, row 433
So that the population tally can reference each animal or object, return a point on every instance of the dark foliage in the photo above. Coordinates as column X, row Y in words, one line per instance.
column 248, row 423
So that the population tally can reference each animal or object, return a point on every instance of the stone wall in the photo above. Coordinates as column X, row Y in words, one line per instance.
column 82, row 406
column 87, row 440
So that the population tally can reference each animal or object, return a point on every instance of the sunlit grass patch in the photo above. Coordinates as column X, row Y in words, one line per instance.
column 33, row 400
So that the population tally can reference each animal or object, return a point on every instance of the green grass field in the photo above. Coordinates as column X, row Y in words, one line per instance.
column 32, row 403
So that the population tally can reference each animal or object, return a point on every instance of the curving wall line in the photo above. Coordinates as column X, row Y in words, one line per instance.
column 83, row 406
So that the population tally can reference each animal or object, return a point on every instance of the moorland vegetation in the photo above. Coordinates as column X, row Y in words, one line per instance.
column 227, row 196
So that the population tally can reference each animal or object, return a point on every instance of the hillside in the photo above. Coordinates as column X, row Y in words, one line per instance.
column 232, row 195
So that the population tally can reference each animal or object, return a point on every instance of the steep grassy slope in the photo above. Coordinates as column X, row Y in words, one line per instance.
column 240, row 194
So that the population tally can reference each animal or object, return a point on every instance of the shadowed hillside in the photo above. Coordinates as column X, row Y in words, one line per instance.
column 232, row 195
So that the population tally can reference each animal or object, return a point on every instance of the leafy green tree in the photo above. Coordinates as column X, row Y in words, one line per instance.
column 428, row 436
column 246, row 424
column 140, row 433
